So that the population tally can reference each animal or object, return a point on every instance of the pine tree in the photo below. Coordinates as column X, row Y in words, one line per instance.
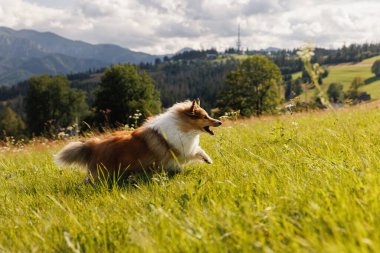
column 10, row 123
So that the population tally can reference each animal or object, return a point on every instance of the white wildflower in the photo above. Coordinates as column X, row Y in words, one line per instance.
column 289, row 106
column 306, row 52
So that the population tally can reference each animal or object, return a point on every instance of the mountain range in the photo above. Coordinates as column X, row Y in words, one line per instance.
column 25, row 53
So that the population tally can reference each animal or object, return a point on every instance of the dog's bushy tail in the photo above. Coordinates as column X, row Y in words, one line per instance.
column 74, row 153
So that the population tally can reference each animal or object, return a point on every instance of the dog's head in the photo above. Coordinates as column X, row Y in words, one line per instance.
column 194, row 117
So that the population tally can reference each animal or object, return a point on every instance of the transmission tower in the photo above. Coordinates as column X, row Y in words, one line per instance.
column 238, row 42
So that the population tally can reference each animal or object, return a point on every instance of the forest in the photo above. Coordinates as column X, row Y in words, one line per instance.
column 190, row 74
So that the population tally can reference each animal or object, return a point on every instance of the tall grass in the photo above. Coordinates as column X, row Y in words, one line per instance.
column 289, row 184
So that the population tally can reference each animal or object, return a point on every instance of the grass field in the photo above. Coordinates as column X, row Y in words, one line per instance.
column 345, row 73
column 301, row 183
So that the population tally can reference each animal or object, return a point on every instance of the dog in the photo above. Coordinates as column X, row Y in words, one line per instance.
column 165, row 142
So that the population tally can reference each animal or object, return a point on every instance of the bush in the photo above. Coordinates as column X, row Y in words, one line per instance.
column 335, row 93
column 353, row 91
column 10, row 123
column 376, row 68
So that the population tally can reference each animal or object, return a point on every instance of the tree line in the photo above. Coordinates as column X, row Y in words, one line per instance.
column 190, row 74
column 46, row 105
column 52, row 107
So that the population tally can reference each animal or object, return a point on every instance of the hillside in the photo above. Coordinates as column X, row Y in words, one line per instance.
column 344, row 73
column 272, row 188
column 25, row 53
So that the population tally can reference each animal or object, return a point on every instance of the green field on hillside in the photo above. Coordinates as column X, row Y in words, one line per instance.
column 345, row 73
column 303, row 183
column 223, row 58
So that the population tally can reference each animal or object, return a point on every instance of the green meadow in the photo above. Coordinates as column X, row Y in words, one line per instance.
column 293, row 183
column 346, row 72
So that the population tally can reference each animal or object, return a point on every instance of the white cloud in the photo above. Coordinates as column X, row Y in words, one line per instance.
column 165, row 26
column 18, row 13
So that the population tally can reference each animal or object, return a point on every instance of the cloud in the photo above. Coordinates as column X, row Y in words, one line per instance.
column 19, row 13
column 262, row 7
column 155, row 5
column 181, row 29
column 165, row 26
column 96, row 9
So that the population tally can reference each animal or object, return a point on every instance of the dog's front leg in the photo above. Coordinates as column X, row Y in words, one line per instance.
column 202, row 155
column 173, row 167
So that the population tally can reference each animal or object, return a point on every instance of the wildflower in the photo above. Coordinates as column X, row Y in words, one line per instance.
column 289, row 106
column 306, row 52
column 61, row 135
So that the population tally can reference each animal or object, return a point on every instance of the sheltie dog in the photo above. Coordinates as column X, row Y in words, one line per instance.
column 165, row 142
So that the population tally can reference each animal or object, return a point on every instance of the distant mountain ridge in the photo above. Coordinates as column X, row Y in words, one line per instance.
column 25, row 53
column 185, row 49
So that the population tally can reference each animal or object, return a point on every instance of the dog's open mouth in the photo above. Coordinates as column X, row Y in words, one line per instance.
column 208, row 130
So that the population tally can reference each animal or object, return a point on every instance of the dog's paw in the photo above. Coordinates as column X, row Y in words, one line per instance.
column 174, row 169
column 207, row 160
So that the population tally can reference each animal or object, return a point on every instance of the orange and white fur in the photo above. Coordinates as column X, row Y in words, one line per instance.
column 166, row 141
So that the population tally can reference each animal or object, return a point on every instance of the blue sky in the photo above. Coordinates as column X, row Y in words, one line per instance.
column 165, row 26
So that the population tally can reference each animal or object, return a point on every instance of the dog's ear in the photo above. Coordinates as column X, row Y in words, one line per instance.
column 191, row 111
column 193, row 106
column 198, row 102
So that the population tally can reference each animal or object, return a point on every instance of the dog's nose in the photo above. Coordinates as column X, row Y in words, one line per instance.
column 218, row 123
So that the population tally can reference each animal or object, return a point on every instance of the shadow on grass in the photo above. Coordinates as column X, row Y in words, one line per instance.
column 132, row 182
column 371, row 79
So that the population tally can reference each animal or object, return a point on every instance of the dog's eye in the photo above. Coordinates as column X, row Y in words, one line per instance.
column 204, row 117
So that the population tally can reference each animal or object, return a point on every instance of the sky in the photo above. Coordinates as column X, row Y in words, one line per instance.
column 166, row 26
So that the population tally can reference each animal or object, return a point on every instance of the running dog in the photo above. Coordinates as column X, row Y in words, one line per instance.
column 165, row 142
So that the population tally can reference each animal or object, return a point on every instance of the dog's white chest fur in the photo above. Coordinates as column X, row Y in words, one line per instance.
column 184, row 142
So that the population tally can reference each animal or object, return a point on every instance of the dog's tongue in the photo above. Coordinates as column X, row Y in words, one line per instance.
column 208, row 130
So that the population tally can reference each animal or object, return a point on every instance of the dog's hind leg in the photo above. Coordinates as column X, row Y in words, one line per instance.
column 92, row 175
column 87, row 180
